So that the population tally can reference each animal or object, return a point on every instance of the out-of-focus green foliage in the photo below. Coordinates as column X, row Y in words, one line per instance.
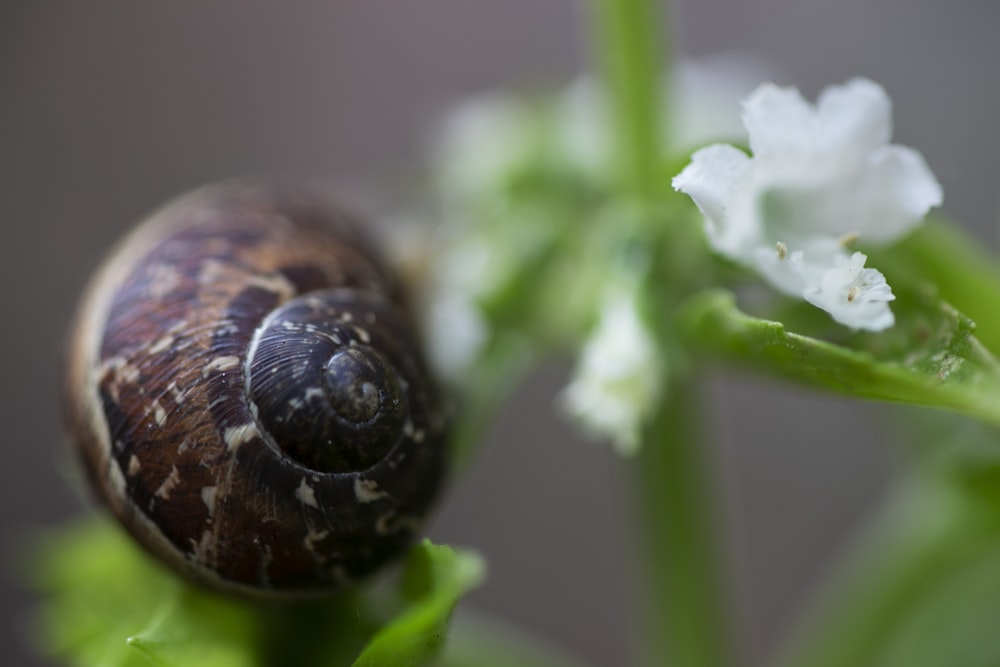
column 106, row 604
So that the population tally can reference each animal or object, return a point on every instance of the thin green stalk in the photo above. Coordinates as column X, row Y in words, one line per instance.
column 629, row 50
column 687, row 624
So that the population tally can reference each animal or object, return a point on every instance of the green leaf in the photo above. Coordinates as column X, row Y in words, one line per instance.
column 954, row 447
column 435, row 578
column 199, row 629
column 107, row 604
column 923, row 588
column 194, row 629
column 954, row 623
column 928, row 532
column 964, row 272
column 930, row 358
column 98, row 592
column 477, row 640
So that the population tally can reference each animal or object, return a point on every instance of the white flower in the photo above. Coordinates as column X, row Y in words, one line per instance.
column 700, row 97
column 455, row 328
column 820, row 177
column 483, row 141
column 618, row 377
column 703, row 97
column 853, row 295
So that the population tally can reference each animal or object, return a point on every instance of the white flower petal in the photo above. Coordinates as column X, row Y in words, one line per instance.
column 899, row 189
column 853, row 295
column 782, row 268
column 618, row 377
column 778, row 119
column 455, row 327
column 818, row 174
column 798, row 197
column 857, row 114
column 713, row 180
column 482, row 142
column 456, row 333
column 792, row 268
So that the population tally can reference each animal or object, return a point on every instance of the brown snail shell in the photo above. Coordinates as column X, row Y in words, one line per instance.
column 248, row 394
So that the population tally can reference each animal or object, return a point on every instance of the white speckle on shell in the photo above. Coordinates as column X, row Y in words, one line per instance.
column 238, row 435
column 314, row 536
column 134, row 465
column 367, row 490
column 169, row 484
column 159, row 414
column 397, row 460
column 203, row 551
column 306, row 495
column 414, row 433
column 276, row 283
column 313, row 392
column 208, row 496
column 226, row 328
column 162, row 344
column 121, row 372
column 389, row 523
column 164, row 278
column 220, row 364
column 212, row 270
column 176, row 393
column 126, row 373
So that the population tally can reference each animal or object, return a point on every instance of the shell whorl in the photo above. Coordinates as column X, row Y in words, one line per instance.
column 318, row 384
column 248, row 394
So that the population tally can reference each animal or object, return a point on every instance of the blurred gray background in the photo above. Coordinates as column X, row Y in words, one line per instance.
column 108, row 107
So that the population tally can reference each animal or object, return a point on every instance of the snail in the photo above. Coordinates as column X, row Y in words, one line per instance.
column 247, row 393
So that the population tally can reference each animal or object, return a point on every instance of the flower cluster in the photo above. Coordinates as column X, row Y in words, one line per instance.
column 820, row 178
column 509, row 166
column 618, row 376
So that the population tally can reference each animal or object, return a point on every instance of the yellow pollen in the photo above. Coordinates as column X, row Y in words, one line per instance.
column 848, row 238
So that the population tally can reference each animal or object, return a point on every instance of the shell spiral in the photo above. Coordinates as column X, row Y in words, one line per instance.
column 247, row 392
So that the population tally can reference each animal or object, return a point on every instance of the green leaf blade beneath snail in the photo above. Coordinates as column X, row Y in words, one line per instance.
column 248, row 394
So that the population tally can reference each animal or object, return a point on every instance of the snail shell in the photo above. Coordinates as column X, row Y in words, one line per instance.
column 247, row 393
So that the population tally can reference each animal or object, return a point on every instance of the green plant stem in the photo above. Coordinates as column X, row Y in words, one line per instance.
column 630, row 55
column 687, row 624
